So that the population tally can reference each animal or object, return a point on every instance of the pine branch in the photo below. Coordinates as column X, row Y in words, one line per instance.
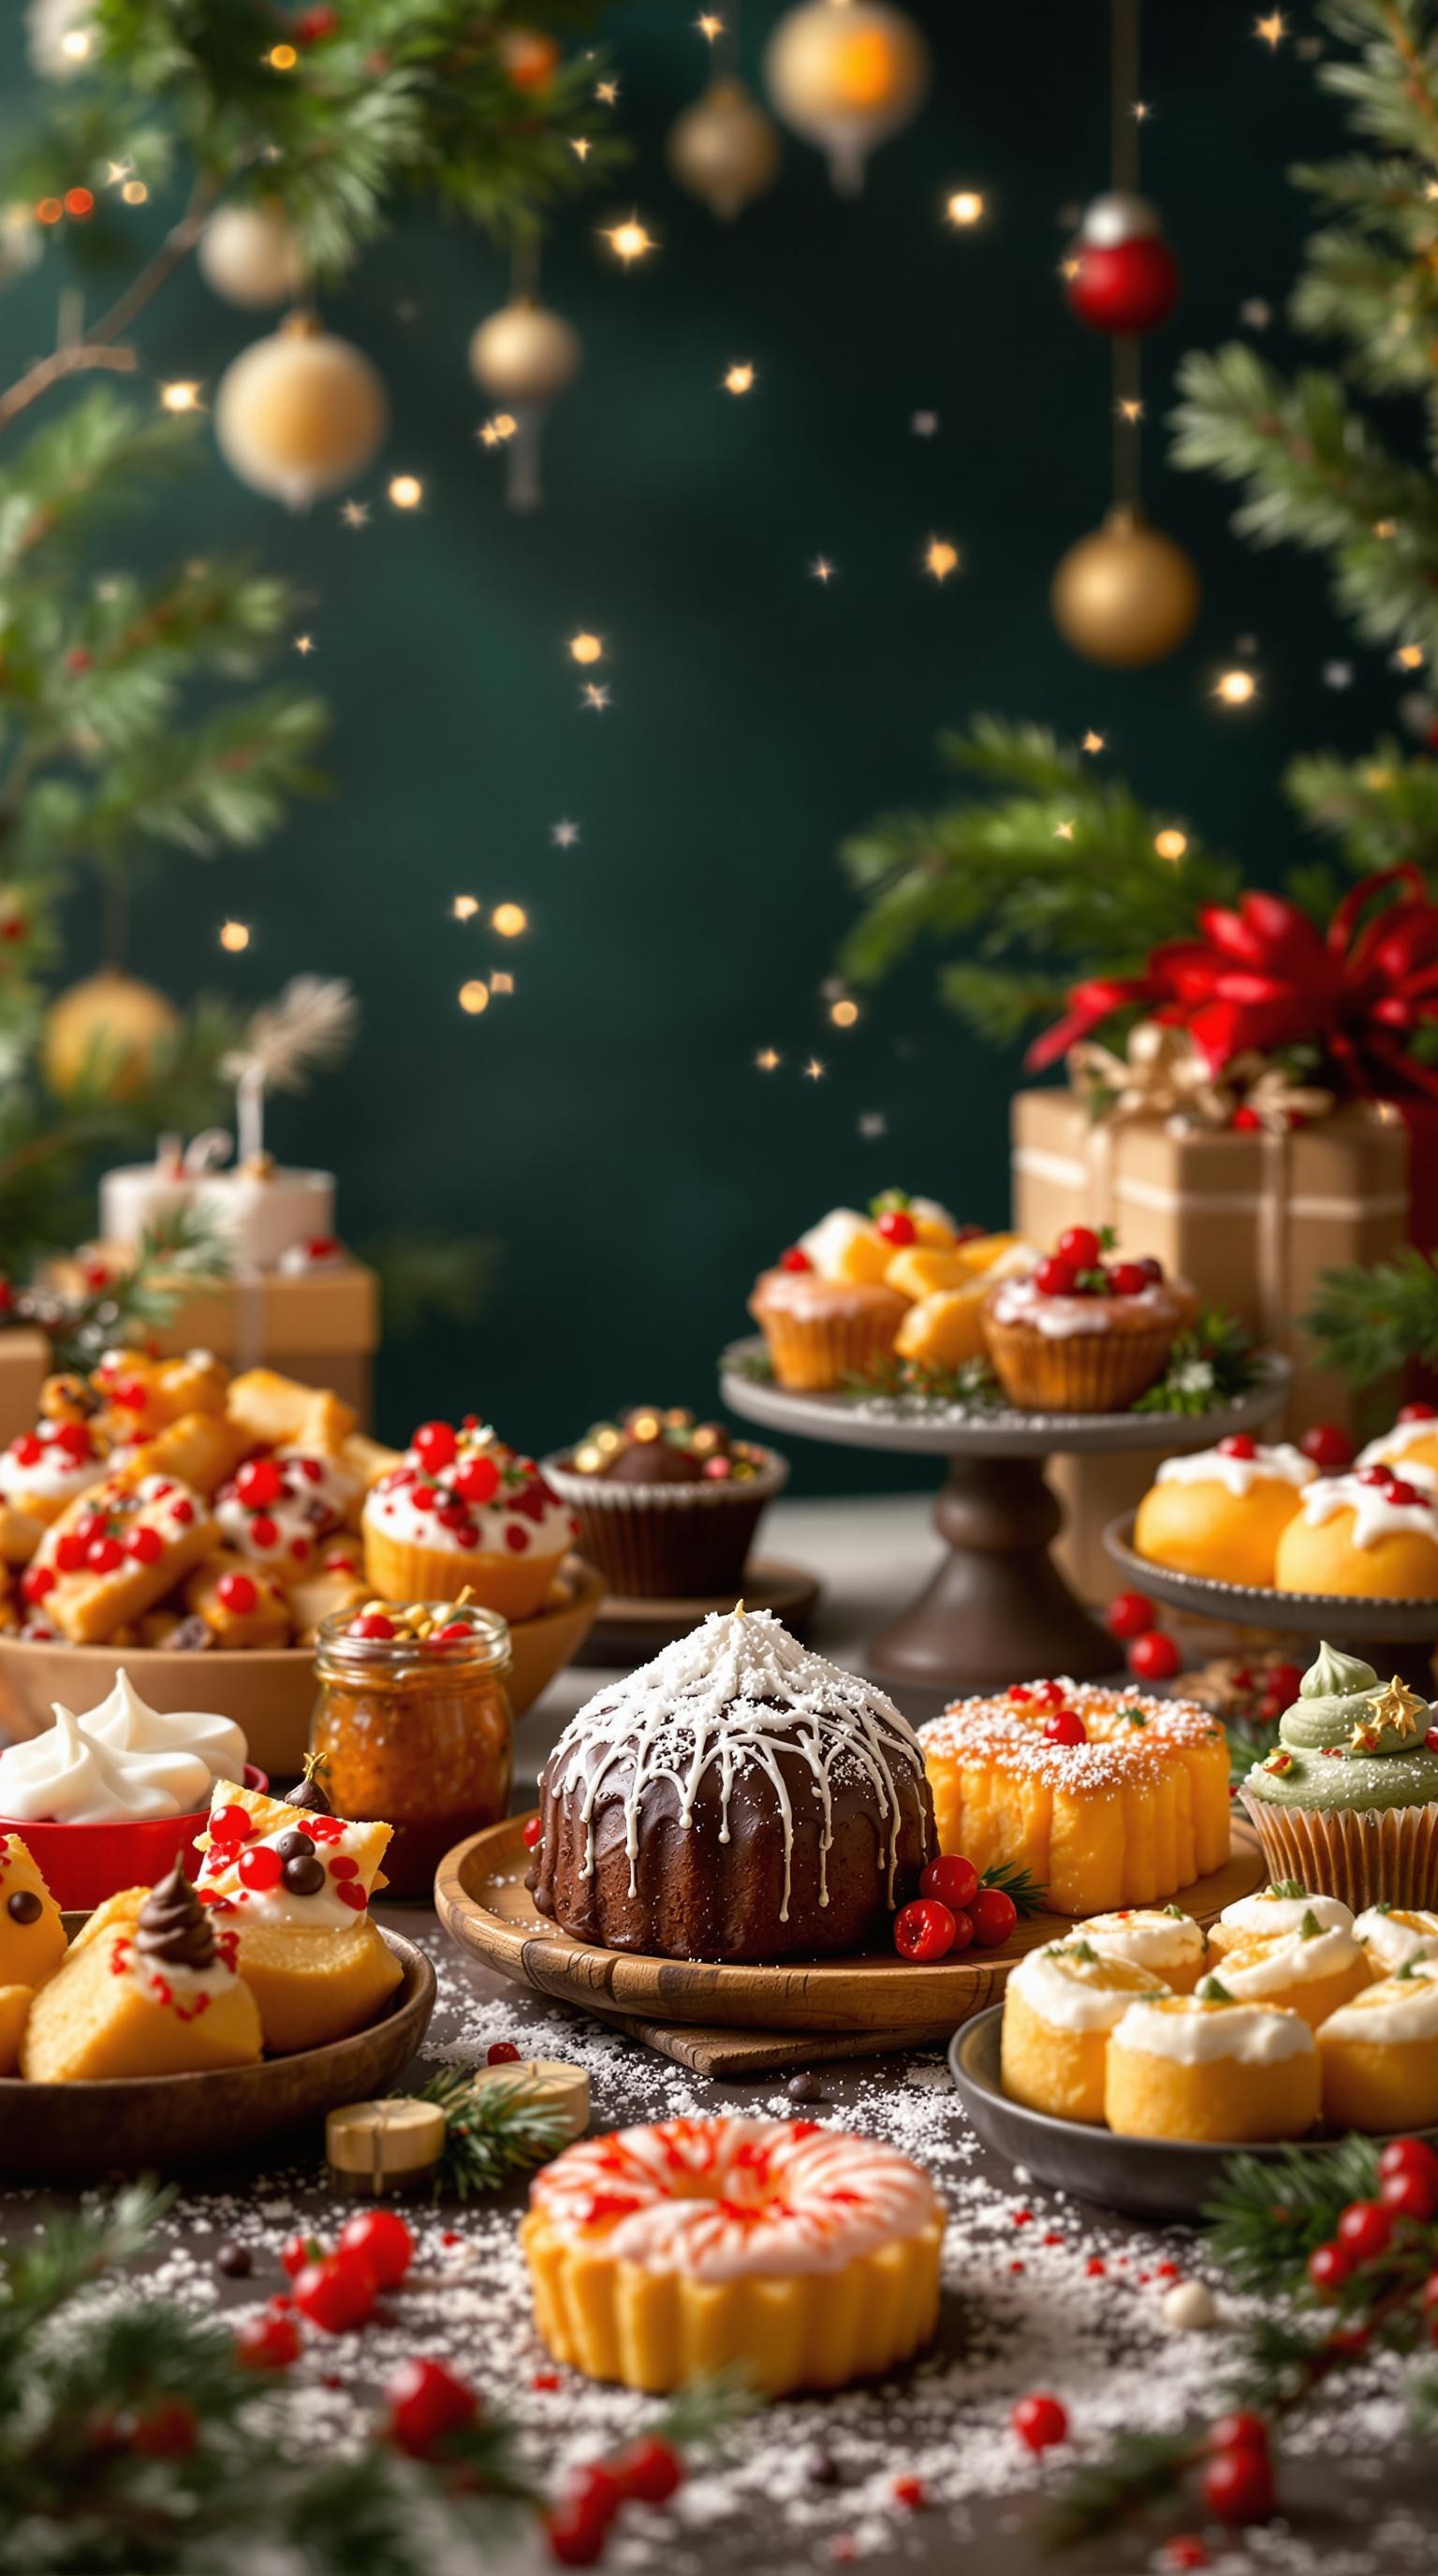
column 1368, row 1322
column 1213, row 1364
column 1024, row 1891
column 1267, row 2217
column 491, row 2131
column 1381, row 810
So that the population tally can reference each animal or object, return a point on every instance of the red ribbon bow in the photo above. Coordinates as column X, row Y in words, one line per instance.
column 1266, row 977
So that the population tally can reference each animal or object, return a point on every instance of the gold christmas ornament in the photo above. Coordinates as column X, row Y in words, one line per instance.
column 524, row 355
column 846, row 74
column 300, row 413
column 249, row 255
column 106, row 1035
column 1125, row 596
column 724, row 149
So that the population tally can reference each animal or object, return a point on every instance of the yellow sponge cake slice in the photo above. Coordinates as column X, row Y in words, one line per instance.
column 32, row 1936
column 153, row 1993
column 293, row 1885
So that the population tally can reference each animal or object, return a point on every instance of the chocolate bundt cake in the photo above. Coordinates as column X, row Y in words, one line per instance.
column 738, row 1798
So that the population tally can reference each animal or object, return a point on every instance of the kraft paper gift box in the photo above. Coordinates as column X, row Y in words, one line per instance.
column 24, row 1364
column 1251, row 1219
column 321, row 1325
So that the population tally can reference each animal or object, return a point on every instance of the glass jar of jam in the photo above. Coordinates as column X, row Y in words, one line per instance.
column 414, row 1727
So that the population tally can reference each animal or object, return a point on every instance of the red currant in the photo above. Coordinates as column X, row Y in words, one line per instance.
column 259, row 1482
column 297, row 2251
column 1283, row 1682
column 993, row 1915
column 372, row 1623
column 650, row 2470
column 1418, row 1412
column 1127, row 1280
column 336, row 2296
column 103, row 1555
column 1055, row 1277
column 1129, row 1614
column 167, row 2431
column 1364, row 2229
column 1186, row 2550
column 263, row 1531
column 238, row 1593
column 424, row 2401
column 270, row 2341
column 502, row 2052
column 1155, row 1658
column 1080, row 1245
column 1040, row 2421
column 593, row 2489
column 897, row 1227
column 533, row 1832
column 963, row 1928
column 1328, row 1445
column 1410, row 2195
column 924, row 1931
column 1048, row 1694
column 70, row 1552
column 1328, row 2268
column 477, row 1481
column 1238, row 1444
column 576, row 2535
column 795, row 1259
column 379, row 2239
column 1379, row 1473
column 911, row 2492
column 1065, row 1727
column 260, row 1867
column 145, row 1545
column 1238, row 2487
column 37, row 1580
column 1401, row 1492
column 1243, row 2431
column 1245, row 1120
column 1412, row 2162
column 435, row 1445
column 951, row 1879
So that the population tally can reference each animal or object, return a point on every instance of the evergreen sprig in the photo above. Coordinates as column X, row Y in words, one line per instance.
column 1267, row 2215
column 491, row 2131
column 1368, row 1321
column 1026, row 1893
column 1214, row 1363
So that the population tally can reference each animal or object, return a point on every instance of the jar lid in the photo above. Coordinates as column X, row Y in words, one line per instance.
column 418, row 1641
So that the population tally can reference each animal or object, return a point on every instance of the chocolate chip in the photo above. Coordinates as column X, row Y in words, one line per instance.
column 293, row 1845
column 824, row 2470
column 304, row 1875
column 804, row 2087
column 25, row 1906
column 191, row 1637
column 236, row 2261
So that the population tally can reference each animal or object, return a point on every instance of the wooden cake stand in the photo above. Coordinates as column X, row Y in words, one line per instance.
column 998, row 1608
column 1404, row 1630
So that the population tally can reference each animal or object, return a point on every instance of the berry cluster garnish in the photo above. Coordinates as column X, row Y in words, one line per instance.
column 453, row 1473
column 1393, row 1487
column 432, row 1625
column 1077, row 1267
column 957, row 1907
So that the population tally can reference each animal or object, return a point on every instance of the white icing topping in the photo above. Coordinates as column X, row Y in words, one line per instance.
column 1271, row 1967
column 420, row 1509
column 1268, row 1917
column 1401, row 2009
column 1149, row 1938
column 1397, row 1442
column 1279, row 1464
column 1073, row 1994
column 53, row 1476
column 1021, row 1301
column 164, row 1981
column 726, row 2200
column 1194, row 2034
column 66, row 1776
column 229, row 1893
column 125, row 1723
column 827, row 1242
column 1375, row 1514
column 1397, row 1940
column 731, row 1698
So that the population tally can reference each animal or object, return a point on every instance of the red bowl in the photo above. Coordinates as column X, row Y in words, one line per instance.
column 83, row 1864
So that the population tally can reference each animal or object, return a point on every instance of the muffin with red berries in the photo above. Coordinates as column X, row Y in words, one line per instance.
column 1085, row 1331
column 829, row 1310
column 462, row 1512
column 667, row 1506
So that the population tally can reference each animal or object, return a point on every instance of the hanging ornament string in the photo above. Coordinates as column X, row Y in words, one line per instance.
column 1123, row 171
column 524, row 355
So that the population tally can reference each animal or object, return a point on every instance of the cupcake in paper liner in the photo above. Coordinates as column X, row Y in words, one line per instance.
column 1347, row 1801
column 463, row 1511
column 1081, row 1334
column 667, row 1507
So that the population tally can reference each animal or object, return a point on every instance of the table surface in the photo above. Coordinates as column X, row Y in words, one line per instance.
column 1040, row 2291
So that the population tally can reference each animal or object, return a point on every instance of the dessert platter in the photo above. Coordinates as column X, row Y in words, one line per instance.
column 743, row 1837
column 1306, row 1541
column 904, row 1331
column 165, row 1510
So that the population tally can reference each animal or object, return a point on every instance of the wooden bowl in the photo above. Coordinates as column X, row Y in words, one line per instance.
column 270, row 1693
column 155, row 2124
column 481, row 1898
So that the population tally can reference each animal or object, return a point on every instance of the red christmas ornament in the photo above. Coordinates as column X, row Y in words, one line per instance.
column 1122, row 276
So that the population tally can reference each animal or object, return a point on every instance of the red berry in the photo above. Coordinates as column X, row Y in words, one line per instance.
column 1055, row 1277
column 435, row 1445
column 1245, row 1120
column 1238, row 2487
column 371, row 1623
column 239, row 1593
column 993, row 1915
column 1129, row 1614
column 1410, row 2195
column 576, row 2537
column 1418, row 1412
column 952, row 1880
column 145, row 1545
column 297, row 2251
column 1049, row 1694
column 594, row 2490
column 1283, row 1682
column 258, row 1482
column 1080, row 1245
column 924, row 1931
column 103, row 1555
column 963, row 1928
column 1238, row 1444
column 1065, row 1727
column 1186, row 2550
column 1243, row 2431
column 911, row 2492
column 1155, row 1658
column 1400, row 1491
column 795, row 1259
column 183, row 1511
column 270, row 2341
column 1364, row 2229
column 167, row 2431
column 70, row 1552
column 27, row 1451
column 263, row 1531
column 1039, row 2422
column 1126, row 1279
column 37, row 1580
column 260, row 1867
column 1380, row 1473
column 897, row 1227
column 502, row 2052
column 335, row 2295
column 130, row 1392
column 1328, row 1445
column 379, row 2239
column 1328, row 2268
column 533, row 1832
column 650, row 2470
column 1412, row 2162
column 425, row 2400
column 477, row 1481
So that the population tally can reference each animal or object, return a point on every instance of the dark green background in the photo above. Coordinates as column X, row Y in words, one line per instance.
column 606, row 1125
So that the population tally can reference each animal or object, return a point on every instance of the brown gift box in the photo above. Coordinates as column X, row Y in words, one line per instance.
column 1251, row 1219
column 24, row 1363
column 321, row 1325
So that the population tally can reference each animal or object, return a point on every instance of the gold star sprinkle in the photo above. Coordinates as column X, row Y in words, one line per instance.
column 709, row 27
column 579, row 146
column 1409, row 657
column 1236, row 688
column 606, row 92
column 180, row 397
column 1130, row 411
column 1170, row 844
column 564, row 834
column 966, row 206
column 1397, row 1709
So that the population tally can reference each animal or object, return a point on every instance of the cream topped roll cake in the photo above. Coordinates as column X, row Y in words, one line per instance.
column 1161, row 1938
column 1310, row 1971
column 1379, row 2055
column 1206, row 2066
column 1060, row 2005
column 1397, row 1937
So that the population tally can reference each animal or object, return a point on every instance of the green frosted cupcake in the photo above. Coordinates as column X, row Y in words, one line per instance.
column 1347, row 1801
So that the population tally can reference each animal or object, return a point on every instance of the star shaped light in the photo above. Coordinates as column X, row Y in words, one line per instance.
column 924, row 424
column 595, row 693
column 768, row 1060
column 564, row 835
column 813, row 1070
column 941, row 558
column 1271, row 30
column 1092, row 741
column 821, row 569
column 355, row 514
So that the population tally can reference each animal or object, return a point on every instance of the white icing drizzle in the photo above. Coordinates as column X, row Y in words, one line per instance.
column 1280, row 1464
column 1078, row 1994
column 733, row 1696
column 1147, row 1937
column 1397, row 1940
column 1255, row 1971
column 1020, row 1301
column 1268, row 1917
column 1192, row 2033
column 1397, row 1443
column 1375, row 1514
column 1401, row 2009
column 723, row 2200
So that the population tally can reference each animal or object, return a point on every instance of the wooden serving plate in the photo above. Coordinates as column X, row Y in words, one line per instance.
column 153, row 2124
column 482, row 1901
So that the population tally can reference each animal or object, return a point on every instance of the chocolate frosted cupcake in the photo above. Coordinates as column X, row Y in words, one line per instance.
column 667, row 1506
column 1347, row 1801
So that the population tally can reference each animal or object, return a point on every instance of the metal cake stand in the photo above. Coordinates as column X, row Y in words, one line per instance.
column 998, row 1606
column 1407, row 1628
